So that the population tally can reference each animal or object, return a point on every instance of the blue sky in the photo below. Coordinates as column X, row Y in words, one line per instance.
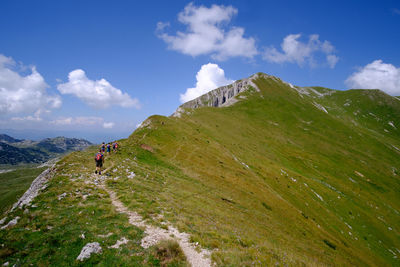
column 96, row 69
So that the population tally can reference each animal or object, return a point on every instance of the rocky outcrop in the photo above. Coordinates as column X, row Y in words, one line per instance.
column 222, row 96
column 11, row 223
column 88, row 250
column 38, row 184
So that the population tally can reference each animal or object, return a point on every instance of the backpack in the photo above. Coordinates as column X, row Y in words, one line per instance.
column 99, row 156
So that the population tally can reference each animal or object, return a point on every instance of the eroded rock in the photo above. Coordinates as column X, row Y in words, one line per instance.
column 11, row 223
column 88, row 250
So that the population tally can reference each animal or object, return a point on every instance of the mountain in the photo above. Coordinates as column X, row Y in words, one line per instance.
column 13, row 155
column 270, row 174
column 63, row 144
column 15, row 151
column 8, row 139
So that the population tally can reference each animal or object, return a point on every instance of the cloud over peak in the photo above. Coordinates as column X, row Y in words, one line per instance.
column 295, row 51
column 209, row 77
column 207, row 33
column 98, row 94
column 376, row 75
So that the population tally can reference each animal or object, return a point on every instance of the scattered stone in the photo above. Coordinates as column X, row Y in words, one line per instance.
column 131, row 175
column 63, row 195
column 6, row 264
column 89, row 249
column 320, row 107
column 2, row 221
column 120, row 242
column 105, row 236
column 359, row 174
column 11, row 223
column 352, row 180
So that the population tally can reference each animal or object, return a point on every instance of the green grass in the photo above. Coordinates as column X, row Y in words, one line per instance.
column 271, row 179
column 49, row 232
column 13, row 184
column 295, row 200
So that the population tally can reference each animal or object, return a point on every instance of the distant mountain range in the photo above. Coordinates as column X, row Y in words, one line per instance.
column 15, row 151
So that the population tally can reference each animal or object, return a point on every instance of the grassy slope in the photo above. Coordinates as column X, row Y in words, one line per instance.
column 13, row 184
column 270, row 179
column 318, row 190
column 50, row 232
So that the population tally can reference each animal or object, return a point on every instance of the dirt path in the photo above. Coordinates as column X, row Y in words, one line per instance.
column 155, row 234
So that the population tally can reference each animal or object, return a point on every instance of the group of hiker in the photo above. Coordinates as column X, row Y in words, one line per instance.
column 104, row 148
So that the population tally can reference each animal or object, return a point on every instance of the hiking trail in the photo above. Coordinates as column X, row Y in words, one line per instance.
column 196, row 257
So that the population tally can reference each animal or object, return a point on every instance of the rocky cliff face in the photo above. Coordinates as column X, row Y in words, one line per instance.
column 222, row 96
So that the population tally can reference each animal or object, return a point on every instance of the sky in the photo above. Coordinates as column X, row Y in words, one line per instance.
column 97, row 69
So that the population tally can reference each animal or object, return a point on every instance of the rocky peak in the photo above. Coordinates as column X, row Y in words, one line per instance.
column 222, row 96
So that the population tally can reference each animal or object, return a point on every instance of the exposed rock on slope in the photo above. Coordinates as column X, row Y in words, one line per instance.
column 222, row 96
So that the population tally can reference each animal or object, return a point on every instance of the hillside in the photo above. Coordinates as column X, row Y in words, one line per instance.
column 15, row 151
column 283, row 174
column 63, row 144
column 8, row 139
column 14, row 155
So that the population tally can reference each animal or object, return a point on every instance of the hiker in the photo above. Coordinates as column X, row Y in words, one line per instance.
column 103, row 147
column 115, row 146
column 99, row 158
column 108, row 148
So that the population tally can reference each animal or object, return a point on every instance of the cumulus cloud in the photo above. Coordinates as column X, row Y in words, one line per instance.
column 209, row 77
column 23, row 94
column 207, row 32
column 98, row 94
column 376, row 75
column 295, row 51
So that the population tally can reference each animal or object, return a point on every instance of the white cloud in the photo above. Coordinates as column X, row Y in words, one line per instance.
column 108, row 125
column 23, row 94
column 376, row 75
column 332, row 60
column 209, row 77
column 98, row 94
column 295, row 51
column 35, row 118
column 207, row 33
column 83, row 121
